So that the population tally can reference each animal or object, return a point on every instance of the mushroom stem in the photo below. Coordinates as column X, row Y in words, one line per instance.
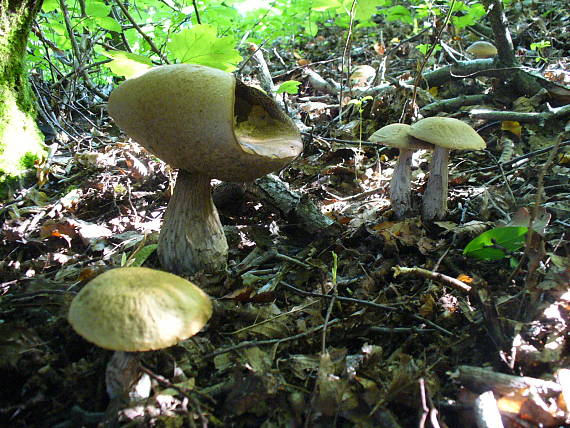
column 400, row 185
column 123, row 376
column 434, row 205
column 192, row 238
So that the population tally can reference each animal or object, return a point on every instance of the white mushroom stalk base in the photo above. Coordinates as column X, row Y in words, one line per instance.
column 400, row 186
column 192, row 238
column 434, row 205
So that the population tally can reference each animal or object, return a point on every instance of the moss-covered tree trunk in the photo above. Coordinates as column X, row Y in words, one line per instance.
column 20, row 140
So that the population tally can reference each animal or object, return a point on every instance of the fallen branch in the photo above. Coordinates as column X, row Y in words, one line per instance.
column 434, row 276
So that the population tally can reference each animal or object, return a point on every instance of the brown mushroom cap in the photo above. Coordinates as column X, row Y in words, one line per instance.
column 138, row 309
column 203, row 120
column 482, row 49
column 398, row 135
column 447, row 132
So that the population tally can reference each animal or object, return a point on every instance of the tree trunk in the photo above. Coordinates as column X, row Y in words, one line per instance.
column 21, row 143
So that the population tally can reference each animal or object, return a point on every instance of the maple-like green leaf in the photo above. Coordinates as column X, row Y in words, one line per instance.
column 201, row 45
column 127, row 64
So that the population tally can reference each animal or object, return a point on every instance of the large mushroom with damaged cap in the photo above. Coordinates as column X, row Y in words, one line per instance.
column 208, row 124
column 136, row 309
column 397, row 135
column 445, row 134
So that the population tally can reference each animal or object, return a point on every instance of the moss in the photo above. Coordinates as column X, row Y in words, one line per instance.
column 21, row 142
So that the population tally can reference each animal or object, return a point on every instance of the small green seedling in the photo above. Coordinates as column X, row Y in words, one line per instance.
column 496, row 244
column 425, row 47
column 139, row 256
column 538, row 47
column 290, row 87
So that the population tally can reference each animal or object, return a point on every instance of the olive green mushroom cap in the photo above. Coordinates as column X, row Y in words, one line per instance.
column 398, row 135
column 138, row 309
column 482, row 49
column 447, row 132
column 205, row 121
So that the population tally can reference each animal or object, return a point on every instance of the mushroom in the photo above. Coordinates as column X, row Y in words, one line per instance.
column 445, row 134
column 397, row 135
column 482, row 49
column 135, row 309
column 209, row 125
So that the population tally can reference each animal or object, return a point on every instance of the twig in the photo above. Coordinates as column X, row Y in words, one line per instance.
column 419, row 76
column 196, row 12
column 252, row 343
column 434, row 276
column 141, row 32
column 77, row 53
column 518, row 158
column 345, row 54
column 371, row 305
column 556, row 113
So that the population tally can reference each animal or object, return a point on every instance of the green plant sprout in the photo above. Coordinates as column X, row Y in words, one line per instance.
column 290, row 87
column 139, row 256
column 538, row 47
column 425, row 47
column 359, row 104
column 334, row 268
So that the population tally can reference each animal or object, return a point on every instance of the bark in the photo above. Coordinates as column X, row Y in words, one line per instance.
column 20, row 140
column 192, row 238
column 522, row 82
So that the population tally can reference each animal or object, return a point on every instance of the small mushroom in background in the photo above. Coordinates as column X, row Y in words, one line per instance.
column 362, row 75
column 445, row 134
column 398, row 135
column 209, row 125
column 135, row 309
column 482, row 49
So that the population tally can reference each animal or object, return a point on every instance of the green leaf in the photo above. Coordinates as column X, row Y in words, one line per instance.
column 200, row 45
column 322, row 5
column 473, row 15
column 109, row 23
column 365, row 9
column 290, row 87
column 97, row 8
column 311, row 28
column 424, row 48
column 398, row 13
column 50, row 5
column 140, row 256
column 484, row 247
column 127, row 64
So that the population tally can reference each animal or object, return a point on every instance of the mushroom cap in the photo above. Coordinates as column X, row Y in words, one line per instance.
column 482, row 49
column 138, row 309
column 362, row 73
column 205, row 121
column 398, row 135
column 447, row 132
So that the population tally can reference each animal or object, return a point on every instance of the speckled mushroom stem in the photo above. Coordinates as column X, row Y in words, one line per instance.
column 192, row 238
column 434, row 205
column 400, row 185
column 123, row 373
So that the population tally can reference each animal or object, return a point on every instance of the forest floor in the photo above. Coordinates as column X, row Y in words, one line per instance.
column 316, row 323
